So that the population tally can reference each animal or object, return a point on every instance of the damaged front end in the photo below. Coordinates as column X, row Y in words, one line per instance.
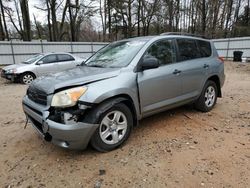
column 64, row 127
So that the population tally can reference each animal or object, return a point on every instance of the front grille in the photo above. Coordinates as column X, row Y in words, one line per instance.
column 36, row 123
column 37, row 96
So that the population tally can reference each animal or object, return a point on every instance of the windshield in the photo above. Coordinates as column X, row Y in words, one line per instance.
column 33, row 59
column 116, row 55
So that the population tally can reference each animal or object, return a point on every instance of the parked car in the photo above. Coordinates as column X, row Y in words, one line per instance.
column 40, row 65
column 100, row 101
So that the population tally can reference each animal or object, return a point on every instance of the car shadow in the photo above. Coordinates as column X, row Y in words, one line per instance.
column 5, row 82
column 147, row 123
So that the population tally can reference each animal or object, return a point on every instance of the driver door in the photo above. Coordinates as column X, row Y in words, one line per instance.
column 161, row 86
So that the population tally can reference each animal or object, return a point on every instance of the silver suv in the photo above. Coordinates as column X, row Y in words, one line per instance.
column 40, row 65
column 101, row 101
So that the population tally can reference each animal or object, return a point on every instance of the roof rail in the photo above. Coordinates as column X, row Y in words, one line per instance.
column 184, row 34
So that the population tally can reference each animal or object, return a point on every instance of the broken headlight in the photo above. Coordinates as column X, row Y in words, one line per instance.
column 67, row 98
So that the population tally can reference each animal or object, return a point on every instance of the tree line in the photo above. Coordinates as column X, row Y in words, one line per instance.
column 108, row 20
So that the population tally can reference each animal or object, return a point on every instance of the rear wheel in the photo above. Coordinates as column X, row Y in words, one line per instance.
column 27, row 78
column 208, row 97
column 114, row 128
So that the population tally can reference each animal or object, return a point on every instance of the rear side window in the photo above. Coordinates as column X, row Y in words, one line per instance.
column 187, row 49
column 49, row 59
column 205, row 48
column 162, row 50
column 65, row 57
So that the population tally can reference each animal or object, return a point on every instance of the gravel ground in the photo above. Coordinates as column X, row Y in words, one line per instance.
column 177, row 148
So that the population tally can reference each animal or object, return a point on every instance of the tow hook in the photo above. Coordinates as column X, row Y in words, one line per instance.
column 47, row 137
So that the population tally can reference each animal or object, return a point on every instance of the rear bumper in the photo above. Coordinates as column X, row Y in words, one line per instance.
column 73, row 136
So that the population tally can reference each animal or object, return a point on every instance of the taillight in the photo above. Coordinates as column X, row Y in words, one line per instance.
column 221, row 59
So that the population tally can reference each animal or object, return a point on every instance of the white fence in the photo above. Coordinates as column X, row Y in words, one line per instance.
column 12, row 52
column 226, row 47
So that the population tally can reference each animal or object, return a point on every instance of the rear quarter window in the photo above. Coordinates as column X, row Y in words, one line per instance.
column 188, row 49
column 205, row 48
column 65, row 57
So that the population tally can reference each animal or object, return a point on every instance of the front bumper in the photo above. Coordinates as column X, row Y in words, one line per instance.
column 9, row 76
column 73, row 136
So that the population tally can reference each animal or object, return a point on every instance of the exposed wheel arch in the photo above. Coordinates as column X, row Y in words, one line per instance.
column 32, row 73
column 96, row 110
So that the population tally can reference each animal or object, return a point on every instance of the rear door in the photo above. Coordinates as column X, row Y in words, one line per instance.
column 65, row 62
column 161, row 86
column 195, row 65
column 48, row 65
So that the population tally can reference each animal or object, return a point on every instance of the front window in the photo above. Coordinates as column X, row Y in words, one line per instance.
column 162, row 50
column 49, row 59
column 117, row 54
column 33, row 59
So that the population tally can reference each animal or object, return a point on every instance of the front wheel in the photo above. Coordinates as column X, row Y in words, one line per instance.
column 27, row 78
column 208, row 97
column 114, row 128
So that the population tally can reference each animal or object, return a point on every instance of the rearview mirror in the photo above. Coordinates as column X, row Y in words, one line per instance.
column 39, row 62
column 149, row 63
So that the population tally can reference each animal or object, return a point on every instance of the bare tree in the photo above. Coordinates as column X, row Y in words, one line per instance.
column 2, row 35
column 109, row 7
column 228, row 17
column 138, row 17
column 6, row 33
column 26, row 20
column 203, row 17
column 103, row 14
column 66, row 19
column 37, row 27
column 12, row 14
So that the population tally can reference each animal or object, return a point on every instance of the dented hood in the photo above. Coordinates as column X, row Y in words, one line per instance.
column 75, row 77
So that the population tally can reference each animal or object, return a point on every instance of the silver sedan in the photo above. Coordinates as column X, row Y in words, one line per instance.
column 40, row 65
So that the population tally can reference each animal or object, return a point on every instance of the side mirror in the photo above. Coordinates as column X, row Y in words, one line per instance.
column 149, row 63
column 39, row 62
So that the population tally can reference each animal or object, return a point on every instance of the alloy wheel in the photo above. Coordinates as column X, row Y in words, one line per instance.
column 113, row 127
column 210, row 96
column 28, row 79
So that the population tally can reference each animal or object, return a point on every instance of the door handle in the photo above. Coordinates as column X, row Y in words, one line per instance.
column 205, row 66
column 176, row 71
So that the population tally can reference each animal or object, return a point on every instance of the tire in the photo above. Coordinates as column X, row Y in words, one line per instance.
column 112, row 132
column 27, row 78
column 208, row 97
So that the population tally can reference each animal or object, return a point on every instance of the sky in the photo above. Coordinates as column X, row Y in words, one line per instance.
column 40, row 15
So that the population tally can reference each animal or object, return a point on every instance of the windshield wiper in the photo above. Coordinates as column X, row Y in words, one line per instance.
column 101, row 66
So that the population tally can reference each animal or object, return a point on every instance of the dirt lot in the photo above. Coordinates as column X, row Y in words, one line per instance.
column 178, row 148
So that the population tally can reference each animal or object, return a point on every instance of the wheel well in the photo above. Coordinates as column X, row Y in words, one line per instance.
column 94, row 113
column 129, row 103
column 29, row 73
column 216, row 79
column 127, row 100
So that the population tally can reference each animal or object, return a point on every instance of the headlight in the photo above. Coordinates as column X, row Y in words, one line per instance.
column 10, row 71
column 68, row 97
